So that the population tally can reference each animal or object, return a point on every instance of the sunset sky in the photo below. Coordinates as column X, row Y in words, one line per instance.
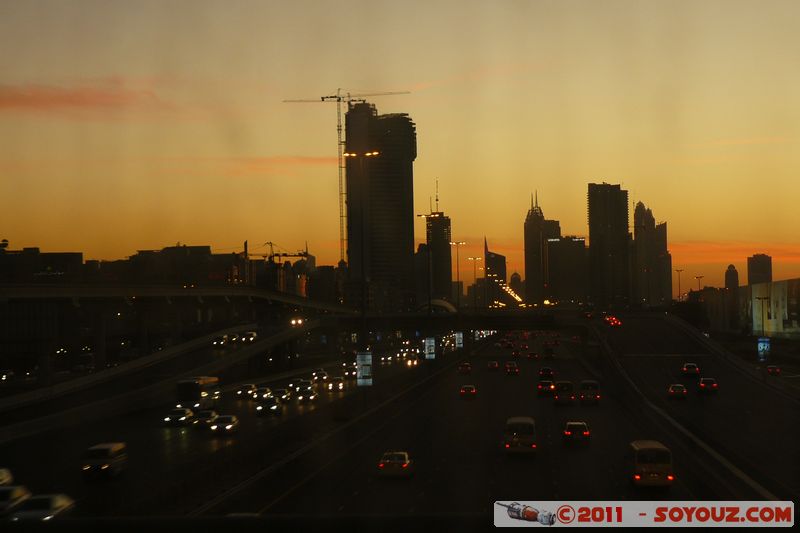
column 137, row 125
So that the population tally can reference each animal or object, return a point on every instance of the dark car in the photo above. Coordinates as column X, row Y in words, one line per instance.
column 677, row 391
column 464, row 368
column 468, row 391
column 589, row 391
column 773, row 370
column 690, row 369
column 545, row 387
column 707, row 386
column 511, row 368
column 547, row 373
column 576, row 432
column 269, row 407
column 493, row 365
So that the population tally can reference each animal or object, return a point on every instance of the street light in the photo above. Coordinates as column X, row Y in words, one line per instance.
column 475, row 282
column 458, row 276
column 698, row 278
column 679, row 270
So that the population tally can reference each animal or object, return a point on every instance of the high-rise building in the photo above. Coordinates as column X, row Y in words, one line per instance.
column 437, row 231
column 495, row 274
column 759, row 269
column 537, row 232
column 608, row 244
column 566, row 258
column 732, row 278
column 651, row 262
column 380, row 207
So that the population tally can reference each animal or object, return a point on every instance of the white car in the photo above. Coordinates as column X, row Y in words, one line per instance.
column 11, row 497
column 44, row 507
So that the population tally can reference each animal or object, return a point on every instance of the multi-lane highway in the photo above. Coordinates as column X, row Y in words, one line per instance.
column 311, row 462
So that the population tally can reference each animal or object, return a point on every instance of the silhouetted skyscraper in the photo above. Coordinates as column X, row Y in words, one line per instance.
column 537, row 231
column 731, row 278
column 566, row 257
column 651, row 261
column 608, row 244
column 495, row 272
column 437, row 230
column 759, row 269
column 380, row 206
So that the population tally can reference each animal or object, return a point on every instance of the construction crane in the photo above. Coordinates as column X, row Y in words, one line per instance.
column 272, row 254
column 340, row 97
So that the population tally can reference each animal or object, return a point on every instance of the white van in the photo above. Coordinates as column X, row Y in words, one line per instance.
column 109, row 458
column 520, row 435
column 651, row 464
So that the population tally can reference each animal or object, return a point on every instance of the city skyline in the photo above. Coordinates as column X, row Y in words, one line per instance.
column 129, row 130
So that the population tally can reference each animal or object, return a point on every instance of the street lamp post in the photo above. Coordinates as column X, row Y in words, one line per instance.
column 679, row 270
column 698, row 278
column 457, row 244
column 475, row 282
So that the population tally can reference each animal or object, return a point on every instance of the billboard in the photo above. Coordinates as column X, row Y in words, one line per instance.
column 364, row 369
column 459, row 340
column 430, row 348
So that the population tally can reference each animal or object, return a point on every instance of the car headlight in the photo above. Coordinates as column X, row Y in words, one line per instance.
column 259, row 408
column 167, row 419
column 274, row 407
column 104, row 467
column 86, row 467
column 214, row 427
column 229, row 426
column 300, row 397
column 182, row 418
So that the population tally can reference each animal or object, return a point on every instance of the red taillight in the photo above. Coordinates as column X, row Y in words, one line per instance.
column 556, row 397
column 539, row 387
column 567, row 432
column 462, row 392
column 380, row 465
column 598, row 396
column 572, row 397
column 508, row 445
column 405, row 465
column 703, row 385
column 714, row 385
column 473, row 391
column 670, row 477
column 585, row 433
column 637, row 477
column 684, row 391
column 533, row 446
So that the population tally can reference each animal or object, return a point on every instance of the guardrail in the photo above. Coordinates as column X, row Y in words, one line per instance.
column 142, row 398
column 73, row 385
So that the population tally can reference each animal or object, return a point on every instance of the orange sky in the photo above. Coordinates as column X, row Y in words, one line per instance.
column 130, row 127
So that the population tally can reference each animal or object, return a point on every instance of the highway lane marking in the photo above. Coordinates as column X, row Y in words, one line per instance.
column 268, row 470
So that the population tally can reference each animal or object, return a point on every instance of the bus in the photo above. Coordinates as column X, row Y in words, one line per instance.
column 651, row 464
column 199, row 392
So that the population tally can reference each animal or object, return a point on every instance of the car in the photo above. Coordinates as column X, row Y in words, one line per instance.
column 6, row 376
column 576, row 431
column 11, row 497
column 396, row 464
column 179, row 417
column 350, row 369
column 690, row 369
column 707, row 385
column 492, row 365
column 464, row 368
column 545, row 387
column 224, row 424
column 44, row 507
column 564, row 393
column 6, row 478
column 336, row 384
column 262, row 393
column 246, row 391
column 386, row 359
column 205, row 419
column 282, row 395
column 249, row 336
column 412, row 362
column 547, row 373
column 305, row 391
column 220, row 341
column 105, row 459
column 468, row 391
column 677, row 391
column 773, row 370
column 589, row 391
column 519, row 435
column 515, row 353
column 511, row 368
column 533, row 355
column 523, row 346
column 234, row 338
column 320, row 376
column 317, row 371
column 269, row 406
